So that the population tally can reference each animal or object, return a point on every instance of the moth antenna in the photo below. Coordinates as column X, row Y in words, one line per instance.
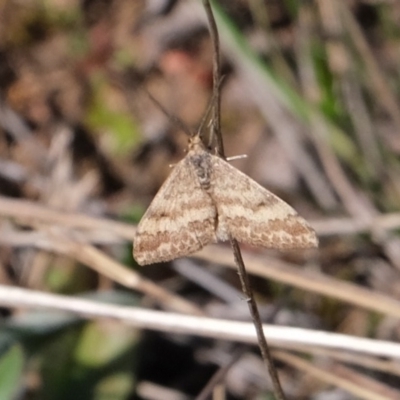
column 208, row 110
column 173, row 118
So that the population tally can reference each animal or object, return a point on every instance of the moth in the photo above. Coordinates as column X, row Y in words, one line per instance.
column 205, row 199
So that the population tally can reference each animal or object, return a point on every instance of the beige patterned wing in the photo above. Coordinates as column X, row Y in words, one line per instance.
column 253, row 215
column 180, row 220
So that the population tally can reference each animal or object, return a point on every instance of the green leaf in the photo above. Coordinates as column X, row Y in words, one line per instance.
column 120, row 126
column 11, row 367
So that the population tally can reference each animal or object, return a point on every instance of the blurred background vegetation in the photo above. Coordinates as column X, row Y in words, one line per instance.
column 310, row 94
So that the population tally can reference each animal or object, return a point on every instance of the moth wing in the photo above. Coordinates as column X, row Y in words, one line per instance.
column 251, row 214
column 180, row 220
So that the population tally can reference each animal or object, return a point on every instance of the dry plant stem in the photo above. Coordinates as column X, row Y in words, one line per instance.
column 314, row 282
column 263, row 91
column 327, row 376
column 19, row 130
column 262, row 341
column 284, row 337
column 106, row 266
column 365, row 381
column 356, row 205
column 261, row 16
column 220, row 374
column 216, row 131
column 277, row 270
column 377, row 79
column 353, row 226
column 216, row 117
column 237, row 353
column 360, row 360
column 29, row 212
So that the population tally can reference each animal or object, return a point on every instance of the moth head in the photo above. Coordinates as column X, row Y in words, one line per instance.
column 195, row 143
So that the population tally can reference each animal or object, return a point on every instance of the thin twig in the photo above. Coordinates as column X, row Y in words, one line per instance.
column 282, row 336
column 376, row 78
column 210, row 108
column 216, row 132
column 220, row 374
column 332, row 378
column 262, row 341
column 216, row 118
column 30, row 212
column 265, row 267
column 386, row 366
column 314, row 282
column 60, row 242
column 235, row 355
